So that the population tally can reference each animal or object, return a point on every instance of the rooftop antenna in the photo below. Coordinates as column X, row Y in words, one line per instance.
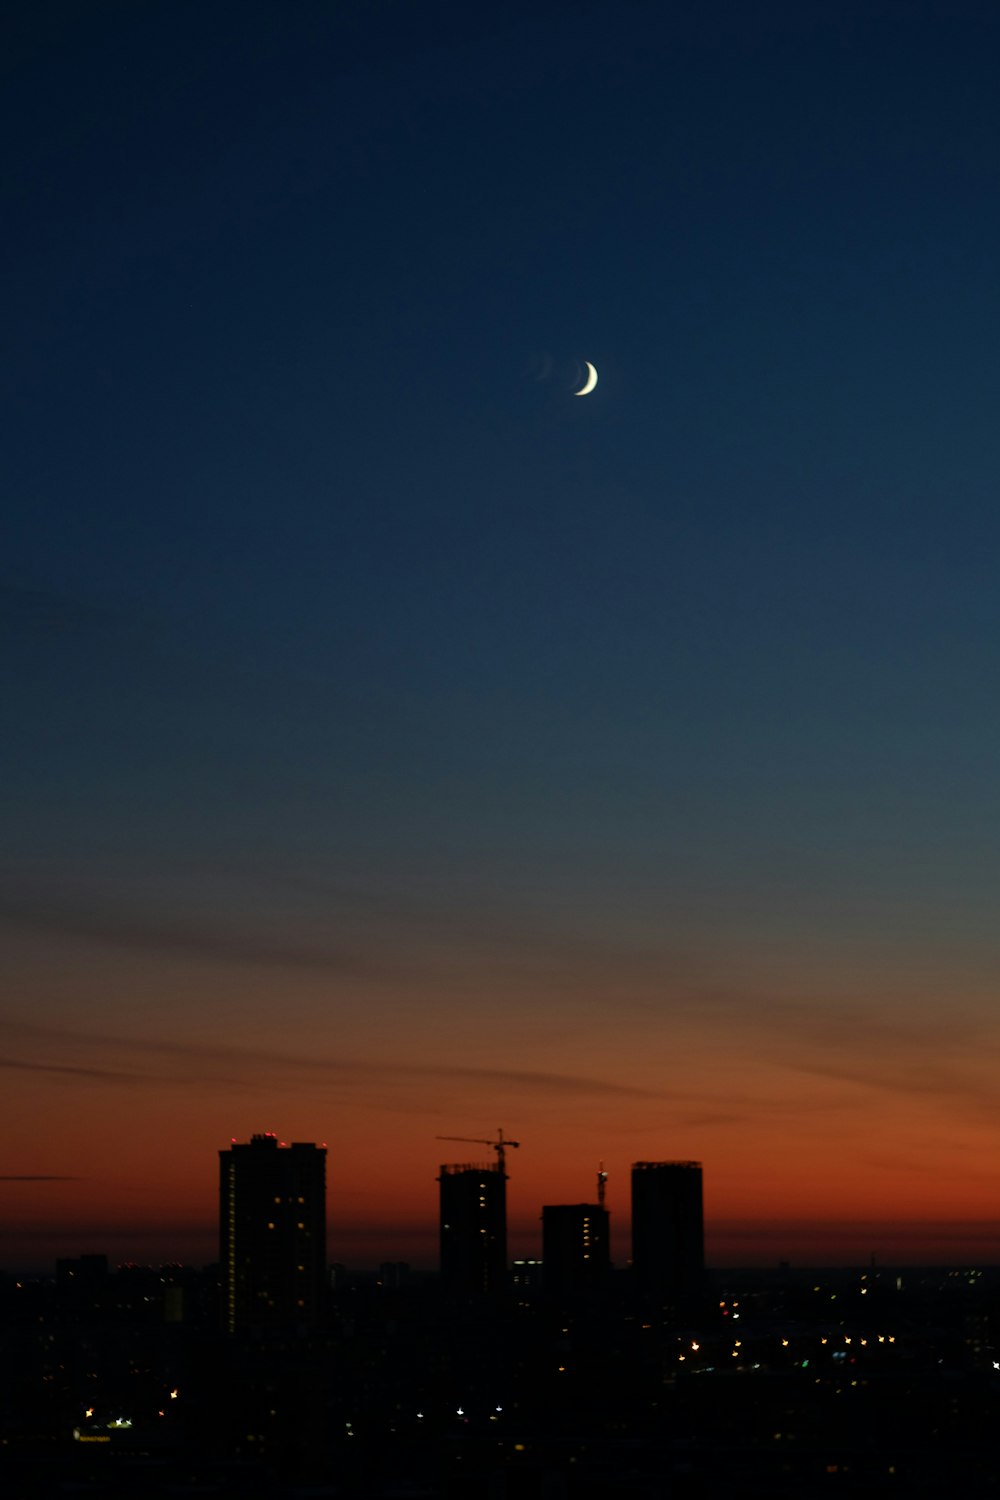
column 602, row 1178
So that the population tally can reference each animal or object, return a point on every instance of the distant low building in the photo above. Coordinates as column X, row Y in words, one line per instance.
column 526, row 1275
column 575, row 1249
column 393, row 1274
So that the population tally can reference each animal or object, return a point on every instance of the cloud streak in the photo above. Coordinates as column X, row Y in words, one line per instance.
column 243, row 1065
column 105, row 1075
column 898, row 1048
column 314, row 921
column 70, row 915
column 38, row 1177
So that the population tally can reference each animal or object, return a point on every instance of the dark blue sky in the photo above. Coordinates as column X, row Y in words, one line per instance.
column 327, row 619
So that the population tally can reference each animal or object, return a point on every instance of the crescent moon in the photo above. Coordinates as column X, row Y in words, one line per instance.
column 590, row 382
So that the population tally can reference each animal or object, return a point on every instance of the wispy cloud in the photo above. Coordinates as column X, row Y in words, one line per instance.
column 899, row 1050
column 897, row 1046
column 107, row 1075
column 309, row 918
column 74, row 915
column 208, row 1063
column 38, row 1177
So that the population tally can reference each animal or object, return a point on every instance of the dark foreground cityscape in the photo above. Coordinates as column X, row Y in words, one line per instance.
column 276, row 1374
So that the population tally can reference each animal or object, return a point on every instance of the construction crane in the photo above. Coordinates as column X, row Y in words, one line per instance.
column 500, row 1146
column 602, row 1178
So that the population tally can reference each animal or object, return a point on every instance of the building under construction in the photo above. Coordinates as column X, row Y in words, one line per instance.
column 474, row 1223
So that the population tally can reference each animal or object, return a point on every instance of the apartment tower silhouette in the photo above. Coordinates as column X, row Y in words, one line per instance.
column 272, row 1234
column 668, row 1235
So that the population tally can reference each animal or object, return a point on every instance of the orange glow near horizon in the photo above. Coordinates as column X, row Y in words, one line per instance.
column 795, row 1169
column 825, row 1136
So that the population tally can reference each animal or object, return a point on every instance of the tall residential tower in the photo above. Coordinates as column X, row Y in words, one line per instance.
column 668, row 1235
column 272, row 1234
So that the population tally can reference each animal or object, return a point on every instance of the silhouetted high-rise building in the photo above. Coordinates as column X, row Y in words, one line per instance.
column 575, row 1256
column 473, row 1229
column 668, row 1234
column 272, row 1233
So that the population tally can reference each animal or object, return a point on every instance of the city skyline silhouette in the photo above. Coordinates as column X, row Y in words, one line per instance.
column 363, row 1246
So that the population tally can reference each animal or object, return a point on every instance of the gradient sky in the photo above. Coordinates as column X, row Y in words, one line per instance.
column 399, row 746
